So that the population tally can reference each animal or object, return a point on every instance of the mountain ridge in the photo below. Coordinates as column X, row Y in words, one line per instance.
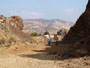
column 41, row 25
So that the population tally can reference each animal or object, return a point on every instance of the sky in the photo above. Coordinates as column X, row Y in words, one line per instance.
column 68, row 10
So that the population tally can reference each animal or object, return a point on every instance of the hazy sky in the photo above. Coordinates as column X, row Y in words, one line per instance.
column 68, row 10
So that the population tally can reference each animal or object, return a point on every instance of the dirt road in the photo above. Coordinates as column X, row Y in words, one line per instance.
column 36, row 57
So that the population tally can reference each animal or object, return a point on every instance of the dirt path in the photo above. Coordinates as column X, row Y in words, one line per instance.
column 37, row 57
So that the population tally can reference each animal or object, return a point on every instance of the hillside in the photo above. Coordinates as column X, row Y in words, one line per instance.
column 41, row 25
column 79, row 35
column 81, row 29
column 11, row 31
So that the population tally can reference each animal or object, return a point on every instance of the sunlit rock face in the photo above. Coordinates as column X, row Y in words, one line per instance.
column 81, row 30
column 16, row 22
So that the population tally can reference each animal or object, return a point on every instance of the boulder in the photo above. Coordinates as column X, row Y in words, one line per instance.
column 62, row 32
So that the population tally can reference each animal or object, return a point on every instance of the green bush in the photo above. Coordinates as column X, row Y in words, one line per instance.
column 34, row 34
column 46, row 33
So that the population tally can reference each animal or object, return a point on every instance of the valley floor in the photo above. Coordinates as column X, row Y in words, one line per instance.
column 36, row 56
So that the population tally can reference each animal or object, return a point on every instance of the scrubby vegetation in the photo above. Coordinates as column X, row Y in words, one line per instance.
column 34, row 34
column 46, row 33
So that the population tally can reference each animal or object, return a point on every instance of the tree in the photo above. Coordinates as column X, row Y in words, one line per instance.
column 46, row 33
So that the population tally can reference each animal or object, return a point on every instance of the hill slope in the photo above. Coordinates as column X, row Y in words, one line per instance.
column 81, row 30
column 41, row 25
column 10, row 32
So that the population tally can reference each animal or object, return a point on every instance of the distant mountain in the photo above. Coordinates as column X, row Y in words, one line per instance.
column 42, row 25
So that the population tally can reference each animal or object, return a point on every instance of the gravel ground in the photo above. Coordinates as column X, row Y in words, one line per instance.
column 30, row 59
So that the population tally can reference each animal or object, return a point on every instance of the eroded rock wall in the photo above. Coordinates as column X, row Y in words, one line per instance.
column 81, row 29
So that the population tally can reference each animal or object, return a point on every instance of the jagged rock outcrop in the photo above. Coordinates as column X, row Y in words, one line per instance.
column 11, row 31
column 81, row 29
column 16, row 22
column 62, row 32
column 79, row 36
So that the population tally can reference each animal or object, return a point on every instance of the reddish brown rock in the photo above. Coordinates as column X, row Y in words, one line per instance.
column 16, row 22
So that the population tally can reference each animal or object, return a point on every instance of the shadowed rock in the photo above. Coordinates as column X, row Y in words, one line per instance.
column 81, row 29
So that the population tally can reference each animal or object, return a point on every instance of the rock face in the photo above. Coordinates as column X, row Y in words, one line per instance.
column 81, row 30
column 16, row 22
column 11, row 31
column 62, row 32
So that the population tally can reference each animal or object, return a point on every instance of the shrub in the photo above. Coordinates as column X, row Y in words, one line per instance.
column 2, row 41
column 46, row 33
column 34, row 34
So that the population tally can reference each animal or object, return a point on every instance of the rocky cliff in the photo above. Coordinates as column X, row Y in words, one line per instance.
column 79, row 36
column 81, row 29
column 11, row 31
